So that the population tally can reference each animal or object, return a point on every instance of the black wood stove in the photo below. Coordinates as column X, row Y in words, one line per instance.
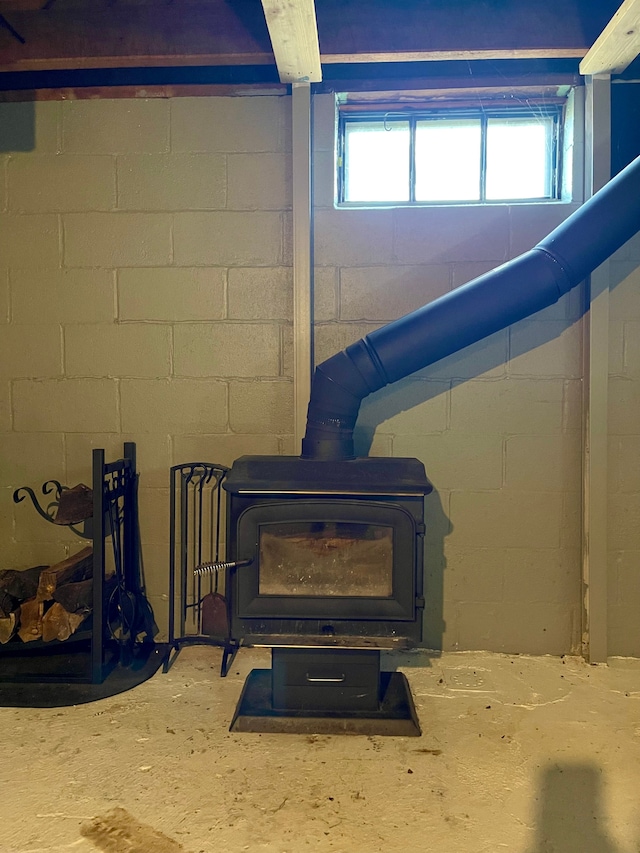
column 328, row 571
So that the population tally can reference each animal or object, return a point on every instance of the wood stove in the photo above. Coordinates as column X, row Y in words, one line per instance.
column 328, row 569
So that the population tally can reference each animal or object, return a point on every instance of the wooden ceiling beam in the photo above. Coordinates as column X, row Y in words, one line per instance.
column 294, row 38
column 618, row 44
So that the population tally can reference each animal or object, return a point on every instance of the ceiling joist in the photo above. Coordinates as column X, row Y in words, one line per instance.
column 618, row 44
column 294, row 38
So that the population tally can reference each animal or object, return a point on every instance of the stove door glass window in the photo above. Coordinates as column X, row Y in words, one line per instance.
column 334, row 558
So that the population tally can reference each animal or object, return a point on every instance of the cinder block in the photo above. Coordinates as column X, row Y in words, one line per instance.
column 623, row 583
column 229, row 124
column 622, row 637
column 632, row 350
column 32, row 126
column 30, row 460
column 550, row 348
column 571, row 521
column 119, row 126
column 616, row 348
column 29, row 240
column 411, row 407
column 171, row 294
column 548, row 575
column 437, row 512
column 171, row 182
column 386, row 293
column 261, row 407
column 262, row 293
column 456, row 460
column 544, row 462
column 624, row 406
column 485, row 359
column 153, row 509
column 623, row 514
column 354, row 238
column 259, row 181
column 66, row 405
column 517, row 628
column 117, row 239
column 630, row 251
column 130, row 349
column 286, row 350
column 173, row 406
column 502, row 519
column 6, row 517
column 325, row 294
column 624, row 463
column 325, row 122
column 227, row 349
column 222, row 449
column 624, row 299
column 530, row 223
column 6, row 412
column 62, row 296
column 227, row 238
column 330, row 338
column 572, row 405
column 474, row 574
column 436, row 235
column 29, row 553
column 61, row 182
column 153, row 455
column 508, row 406
column 30, row 352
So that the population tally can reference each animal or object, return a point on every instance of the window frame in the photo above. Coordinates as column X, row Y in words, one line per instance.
column 554, row 111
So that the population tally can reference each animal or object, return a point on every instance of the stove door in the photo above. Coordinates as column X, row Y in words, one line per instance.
column 328, row 559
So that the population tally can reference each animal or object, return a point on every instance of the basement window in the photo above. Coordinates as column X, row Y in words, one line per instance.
column 445, row 156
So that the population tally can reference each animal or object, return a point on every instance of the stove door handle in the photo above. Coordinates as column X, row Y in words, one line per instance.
column 319, row 680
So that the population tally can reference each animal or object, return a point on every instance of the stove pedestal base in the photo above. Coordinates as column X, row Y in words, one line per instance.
column 395, row 715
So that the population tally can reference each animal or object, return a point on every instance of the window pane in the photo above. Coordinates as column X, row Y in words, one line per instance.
column 377, row 161
column 448, row 160
column 519, row 158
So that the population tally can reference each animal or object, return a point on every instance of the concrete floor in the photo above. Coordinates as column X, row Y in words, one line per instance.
column 526, row 755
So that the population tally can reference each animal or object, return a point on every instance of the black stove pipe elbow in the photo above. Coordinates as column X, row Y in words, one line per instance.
column 468, row 314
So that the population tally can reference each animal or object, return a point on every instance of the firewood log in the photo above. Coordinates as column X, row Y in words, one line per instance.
column 9, row 626
column 75, row 597
column 74, row 505
column 31, row 613
column 78, row 567
column 59, row 624
column 21, row 584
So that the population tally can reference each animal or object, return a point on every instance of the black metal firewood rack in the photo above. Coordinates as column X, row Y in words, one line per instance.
column 198, row 573
column 120, row 615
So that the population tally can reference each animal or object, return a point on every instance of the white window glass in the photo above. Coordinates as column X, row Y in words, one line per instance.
column 448, row 160
column 377, row 161
column 518, row 158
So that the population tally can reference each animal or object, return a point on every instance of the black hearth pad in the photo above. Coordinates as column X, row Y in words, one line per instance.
column 397, row 715
column 148, row 660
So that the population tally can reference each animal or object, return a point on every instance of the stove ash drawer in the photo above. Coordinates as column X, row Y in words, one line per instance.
column 311, row 680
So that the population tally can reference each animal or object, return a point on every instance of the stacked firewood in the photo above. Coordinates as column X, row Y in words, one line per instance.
column 46, row 602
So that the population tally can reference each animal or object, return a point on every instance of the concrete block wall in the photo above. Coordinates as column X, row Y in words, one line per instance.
column 145, row 295
column 497, row 425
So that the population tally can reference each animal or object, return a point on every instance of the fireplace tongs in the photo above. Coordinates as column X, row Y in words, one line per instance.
column 215, row 567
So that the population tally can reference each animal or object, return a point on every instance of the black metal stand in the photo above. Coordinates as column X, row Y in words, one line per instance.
column 195, row 541
column 121, row 620
column 326, row 692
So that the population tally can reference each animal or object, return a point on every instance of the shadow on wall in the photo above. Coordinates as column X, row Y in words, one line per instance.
column 20, row 133
column 570, row 814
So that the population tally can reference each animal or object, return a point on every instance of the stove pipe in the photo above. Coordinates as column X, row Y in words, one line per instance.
column 491, row 302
